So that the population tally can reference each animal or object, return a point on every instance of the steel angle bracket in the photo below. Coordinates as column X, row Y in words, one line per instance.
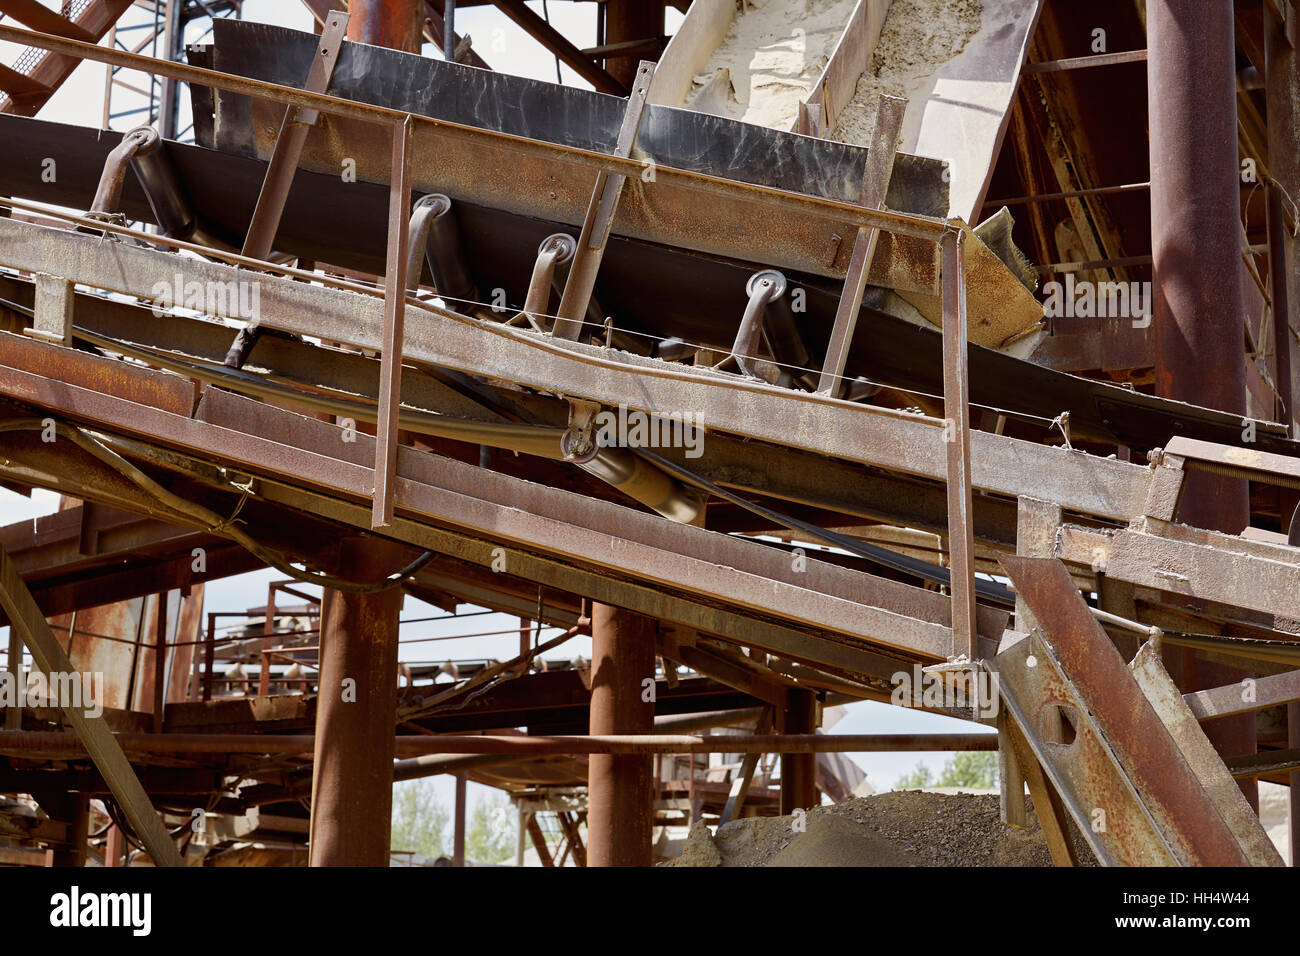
column 1076, row 758
column 600, row 216
column 1120, row 772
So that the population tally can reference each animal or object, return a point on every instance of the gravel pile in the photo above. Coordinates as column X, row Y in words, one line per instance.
column 901, row 828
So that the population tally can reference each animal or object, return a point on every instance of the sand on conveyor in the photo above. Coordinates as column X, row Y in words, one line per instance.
column 900, row 828
column 773, row 54
column 917, row 39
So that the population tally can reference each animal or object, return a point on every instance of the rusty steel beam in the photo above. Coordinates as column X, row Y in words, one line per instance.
column 32, row 14
column 957, row 452
column 1053, row 817
column 738, row 465
column 58, row 742
column 1104, row 707
column 294, row 127
column 744, row 777
column 539, row 841
column 600, row 217
column 356, row 710
column 1085, row 62
column 390, row 369
column 897, row 441
column 477, row 489
column 1237, row 572
column 1238, row 698
column 1243, row 820
column 875, row 186
column 620, row 794
column 555, row 41
column 90, row 733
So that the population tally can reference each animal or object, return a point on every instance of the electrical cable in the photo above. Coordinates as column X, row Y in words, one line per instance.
column 988, row 590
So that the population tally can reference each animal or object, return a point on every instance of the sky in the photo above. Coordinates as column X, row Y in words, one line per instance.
column 505, row 47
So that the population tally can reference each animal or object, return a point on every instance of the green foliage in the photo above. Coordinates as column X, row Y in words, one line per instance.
column 920, row 777
column 973, row 769
column 977, row 769
column 420, row 821
column 490, row 833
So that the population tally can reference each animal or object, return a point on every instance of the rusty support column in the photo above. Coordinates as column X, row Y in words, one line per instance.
column 159, row 660
column 268, row 629
column 1282, row 92
column 620, row 791
column 1293, row 741
column 1196, row 229
column 798, row 771
column 627, row 20
column 458, row 838
column 352, row 780
column 77, row 806
column 956, row 435
column 14, row 663
column 113, row 847
column 209, row 652
column 1196, row 245
column 396, row 24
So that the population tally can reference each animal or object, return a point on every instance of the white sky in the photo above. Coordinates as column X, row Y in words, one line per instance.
column 505, row 47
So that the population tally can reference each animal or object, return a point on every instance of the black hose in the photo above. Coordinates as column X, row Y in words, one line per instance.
column 990, row 591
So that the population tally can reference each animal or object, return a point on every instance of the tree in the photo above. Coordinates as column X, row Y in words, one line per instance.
column 977, row 769
column 920, row 777
column 972, row 769
column 419, row 819
column 490, row 836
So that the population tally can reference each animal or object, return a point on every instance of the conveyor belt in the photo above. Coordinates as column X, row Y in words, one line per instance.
column 651, row 289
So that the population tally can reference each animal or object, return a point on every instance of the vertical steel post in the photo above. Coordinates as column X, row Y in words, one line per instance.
column 458, row 838
column 268, row 626
column 356, row 711
column 1196, row 248
column 798, row 771
column 172, row 39
column 209, row 652
column 1196, row 228
column 956, row 435
column 113, row 847
column 1282, row 93
column 159, row 662
column 449, row 30
column 390, row 363
column 619, row 788
column 625, row 21
column 14, row 663
column 521, row 825
column 1293, row 741
column 74, row 854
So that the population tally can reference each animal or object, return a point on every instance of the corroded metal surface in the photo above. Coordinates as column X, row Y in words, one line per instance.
column 1099, row 707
